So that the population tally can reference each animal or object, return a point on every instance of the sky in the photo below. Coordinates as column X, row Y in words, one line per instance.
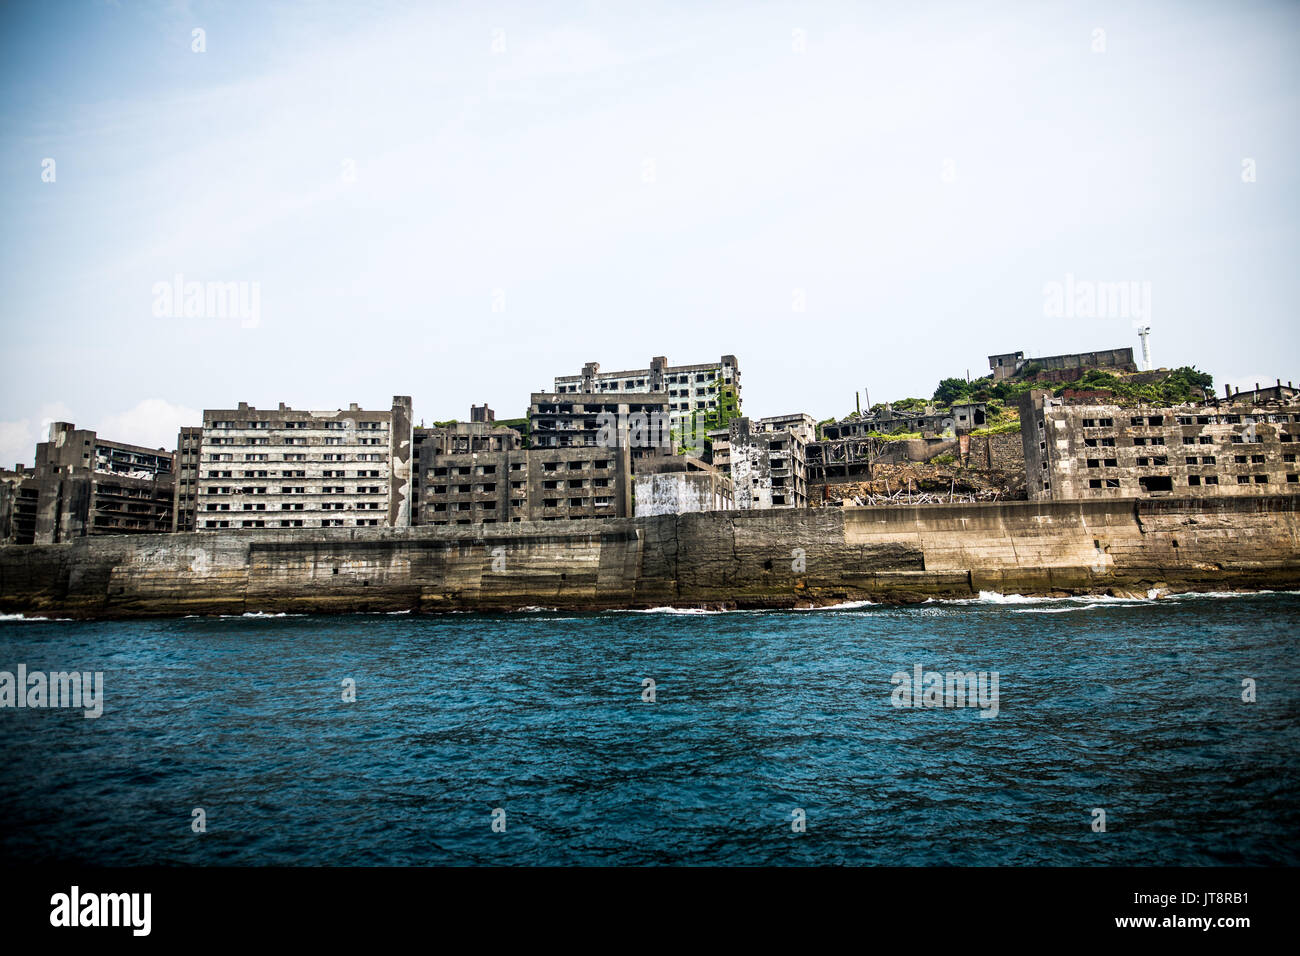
column 460, row 201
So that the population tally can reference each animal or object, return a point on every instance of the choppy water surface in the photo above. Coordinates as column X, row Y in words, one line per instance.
column 1134, row 707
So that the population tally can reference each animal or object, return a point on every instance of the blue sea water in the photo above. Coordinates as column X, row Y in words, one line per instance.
column 1131, row 707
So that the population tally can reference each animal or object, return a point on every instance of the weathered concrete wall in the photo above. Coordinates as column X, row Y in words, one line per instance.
column 401, row 494
column 1004, row 452
column 777, row 558
column 679, row 492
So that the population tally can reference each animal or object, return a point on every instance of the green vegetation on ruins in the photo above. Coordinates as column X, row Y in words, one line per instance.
column 703, row 422
column 1007, row 427
column 1186, row 384
column 520, row 425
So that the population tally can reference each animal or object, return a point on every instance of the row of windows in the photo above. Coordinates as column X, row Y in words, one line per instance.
column 1147, row 421
column 291, row 490
column 298, row 506
column 600, row 501
column 1196, row 481
column 606, row 385
column 331, row 424
column 293, row 441
column 1288, row 458
column 290, row 523
column 329, row 473
column 361, row 489
column 489, row 487
column 289, row 473
column 1141, row 441
column 598, row 464
column 569, row 410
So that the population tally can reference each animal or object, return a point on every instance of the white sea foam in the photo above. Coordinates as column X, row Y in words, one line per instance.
column 670, row 610
column 1057, row 610
column 844, row 606
column 996, row 598
column 31, row 620
column 262, row 614
column 1224, row 594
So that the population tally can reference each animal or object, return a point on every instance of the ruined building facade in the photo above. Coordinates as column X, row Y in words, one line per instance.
column 82, row 485
column 189, row 447
column 932, row 421
column 698, row 396
column 766, row 460
column 1086, row 447
column 446, row 446
column 287, row 468
column 639, row 422
column 481, row 473
column 517, row 484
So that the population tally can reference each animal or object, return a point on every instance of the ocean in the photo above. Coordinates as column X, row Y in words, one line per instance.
column 1100, row 731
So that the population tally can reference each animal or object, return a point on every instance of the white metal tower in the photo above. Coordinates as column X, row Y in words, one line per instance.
column 1143, row 333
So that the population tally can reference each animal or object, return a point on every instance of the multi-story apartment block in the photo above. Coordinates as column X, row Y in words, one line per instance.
column 286, row 468
column 444, row 446
column 1087, row 446
column 704, row 396
column 82, row 485
column 638, row 421
column 767, row 464
column 535, row 484
column 569, row 483
column 188, row 449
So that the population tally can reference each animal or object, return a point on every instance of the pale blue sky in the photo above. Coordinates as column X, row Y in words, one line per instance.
column 525, row 170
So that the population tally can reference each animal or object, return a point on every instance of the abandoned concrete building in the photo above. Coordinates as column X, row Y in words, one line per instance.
column 708, row 393
column 82, row 484
column 579, row 464
column 1087, row 447
column 442, row 444
column 616, row 445
column 767, row 466
column 636, row 421
column 1012, row 363
column 933, row 421
column 189, row 444
column 1269, row 393
column 287, row 468
column 9, row 482
column 800, row 423
column 844, row 459
column 525, row 484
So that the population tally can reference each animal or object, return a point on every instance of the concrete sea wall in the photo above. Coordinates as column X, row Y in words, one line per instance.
column 741, row 559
